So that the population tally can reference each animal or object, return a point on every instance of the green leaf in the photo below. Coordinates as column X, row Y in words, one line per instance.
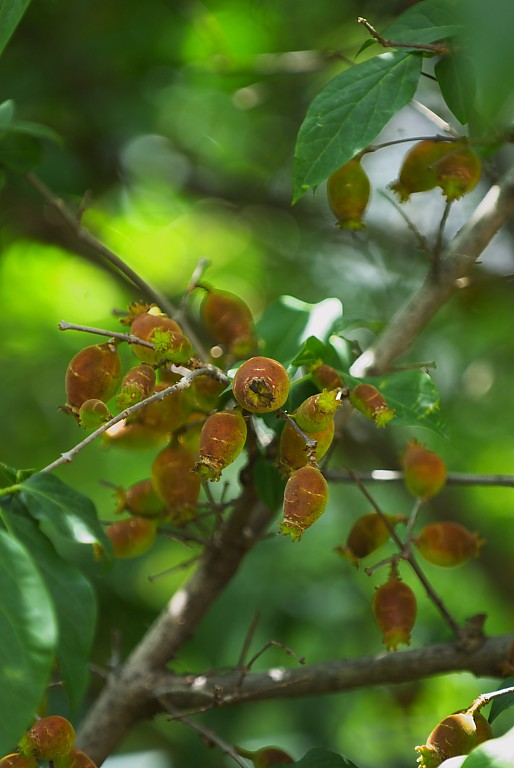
column 311, row 350
column 495, row 753
column 19, row 152
column 11, row 12
column 456, row 77
column 349, row 113
column 425, row 22
column 37, row 130
column 29, row 635
column 6, row 112
column 502, row 703
column 70, row 513
column 321, row 758
column 268, row 483
column 73, row 599
column 414, row 397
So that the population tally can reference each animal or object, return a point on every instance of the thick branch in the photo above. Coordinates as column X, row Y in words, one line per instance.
column 456, row 262
column 127, row 697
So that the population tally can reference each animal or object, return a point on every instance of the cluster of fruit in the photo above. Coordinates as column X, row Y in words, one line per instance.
column 50, row 739
column 454, row 166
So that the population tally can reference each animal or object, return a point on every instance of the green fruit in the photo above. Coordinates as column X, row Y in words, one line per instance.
column 229, row 321
column 222, row 439
column 368, row 400
column 458, row 172
column 293, row 452
column 453, row 736
column 15, row 760
column 261, row 385
column 140, row 499
column 131, row 537
column 305, row 499
column 175, row 482
column 48, row 739
column 367, row 535
column 424, row 471
column 317, row 411
column 93, row 413
column 348, row 191
column 138, row 384
column 165, row 334
column 448, row 544
column 419, row 169
column 93, row 374
column 76, row 759
column 266, row 757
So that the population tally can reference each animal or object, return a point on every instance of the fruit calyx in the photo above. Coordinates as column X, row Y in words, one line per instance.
column 261, row 385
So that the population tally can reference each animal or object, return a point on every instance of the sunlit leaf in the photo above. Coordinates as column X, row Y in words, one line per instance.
column 349, row 113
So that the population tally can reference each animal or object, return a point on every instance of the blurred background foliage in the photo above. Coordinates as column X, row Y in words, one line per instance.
column 179, row 120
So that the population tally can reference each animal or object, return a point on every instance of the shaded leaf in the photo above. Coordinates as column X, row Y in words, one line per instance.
column 456, row 77
column 502, row 703
column 70, row 513
column 29, row 635
column 268, row 483
column 6, row 112
column 321, row 758
column 349, row 113
column 311, row 350
column 11, row 12
column 72, row 596
column 19, row 152
column 425, row 22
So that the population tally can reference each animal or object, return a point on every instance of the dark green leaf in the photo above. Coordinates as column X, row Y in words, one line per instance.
column 37, row 130
column 287, row 322
column 268, row 483
column 29, row 635
column 311, row 350
column 456, row 77
column 19, row 152
column 73, row 599
column 70, row 513
column 321, row 758
column 414, row 397
column 11, row 12
column 349, row 113
column 7, row 476
column 495, row 753
column 502, row 703
column 425, row 22
column 6, row 113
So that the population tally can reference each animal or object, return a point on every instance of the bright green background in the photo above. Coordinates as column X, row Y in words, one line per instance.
column 181, row 120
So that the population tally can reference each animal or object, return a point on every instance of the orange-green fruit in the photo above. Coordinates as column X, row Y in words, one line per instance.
column 203, row 394
column 266, row 757
column 293, row 452
column 222, row 439
column 140, row 499
column 484, row 730
column 130, row 537
column 424, row 471
column 348, row 192
column 76, row 759
column 448, row 544
column 138, row 384
column 419, row 168
column 189, row 434
column 133, row 436
column 305, row 499
column 261, row 385
column 175, row 482
column 394, row 609
column 229, row 321
column 367, row 534
column 458, row 172
column 15, row 760
column 165, row 334
column 455, row 735
column 48, row 739
column 368, row 400
column 93, row 413
column 166, row 415
column 325, row 376
column 317, row 411
column 93, row 374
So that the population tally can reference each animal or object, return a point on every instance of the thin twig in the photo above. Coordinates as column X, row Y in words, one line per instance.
column 128, row 337
column 420, row 238
column 393, row 142
column 436, row 253
column 440, row 48
column 485, row 698
column 209, row 736
column 396, row 476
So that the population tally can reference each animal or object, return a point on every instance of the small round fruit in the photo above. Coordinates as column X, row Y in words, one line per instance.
column 348, row 191
column 203, row 394
column 222, row 439
column 50, row 738
column 458, row 172
column 229, row 321
column 138, row 384
column 317, row 411
column 165, row 334
column 455, row 735
column 175, row 482
column 394, row 609
column 368, row 400
column 166, row 415
column 78, row 759
column 419, row 168
column 93, row 374
column 326, row 377
column 261, row 385
column 93, row 413
column 266, row 756
column 140, row 499
column 424, row 471
column 293, row 452
column 305, row 499
column 367, row 534
column 133, row 436
column 15, row 760
column 130, row 537
column 448, row 544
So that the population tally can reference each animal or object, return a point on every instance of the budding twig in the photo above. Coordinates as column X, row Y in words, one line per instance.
column 440, row 48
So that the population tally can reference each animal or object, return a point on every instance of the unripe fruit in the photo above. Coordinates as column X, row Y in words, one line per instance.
column 266, row 757
column 165, row 334
column 48, row 739
column 419, row 168
column 138, row 384
column 140, row 499
column 175, row 482
column 133, row 436
column 458, row 172
column 15, row 760
column 293, row 452
column 448, row 544
column 130, row 537
column 317, row 411
column 326, row 377
column 348, row 191
column 261, row 385
column 367, row 534
column 484, row 730
column 229, row 320
column 455, row 735
column 93, row 374
column 203, row 394
column 305, row 499
column 368, row 400
column 76, row 759
column 166, row 415
column 424, row 471
column 93, row 413
column 222, row 439
column 394, row 610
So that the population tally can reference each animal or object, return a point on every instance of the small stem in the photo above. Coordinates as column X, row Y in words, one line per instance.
column 420, row 238
column 310, row 443
column 209, row 736
column 392, row 142
column 395, row 476
column 128, row 337
column 433, row 48
column 412, row 520
column 485, row 698
column 436, row 254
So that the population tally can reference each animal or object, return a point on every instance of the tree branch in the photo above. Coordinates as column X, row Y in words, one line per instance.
column 456, row 262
